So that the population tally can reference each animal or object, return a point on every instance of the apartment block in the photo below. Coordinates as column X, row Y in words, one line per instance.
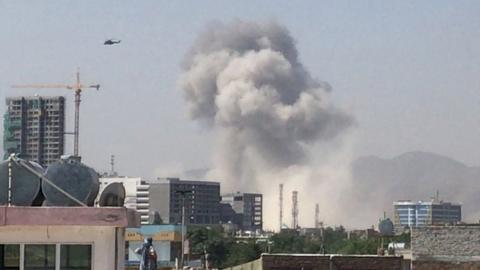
column 34, row 128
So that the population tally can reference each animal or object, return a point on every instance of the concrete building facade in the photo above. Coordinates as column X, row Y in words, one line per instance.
column 82, row 238
column 446, row 247
column 160, row 201
column 34, row 128
column 418, row 214
column 247, row 208
column 202, row 201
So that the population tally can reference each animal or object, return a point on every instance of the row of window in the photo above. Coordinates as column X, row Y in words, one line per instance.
column 44, row 257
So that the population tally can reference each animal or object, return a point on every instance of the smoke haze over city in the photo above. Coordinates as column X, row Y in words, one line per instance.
column 262, row 93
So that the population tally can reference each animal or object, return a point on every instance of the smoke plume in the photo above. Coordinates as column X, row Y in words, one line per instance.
column 245, row 81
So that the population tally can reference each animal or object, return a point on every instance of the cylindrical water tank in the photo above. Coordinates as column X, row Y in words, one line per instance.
column 386, row 227
column 73, row 177
column 112, row 195
column 25, row 186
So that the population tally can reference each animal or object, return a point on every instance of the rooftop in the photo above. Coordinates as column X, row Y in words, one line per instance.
column 59, row 216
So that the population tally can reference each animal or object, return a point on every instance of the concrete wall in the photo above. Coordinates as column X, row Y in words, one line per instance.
column 446, row 241
column 271, row 261
column 322, row 262
column 446, row 247
column 366, row 263
column 432, row 265
column 254, row 265
column 102, row 239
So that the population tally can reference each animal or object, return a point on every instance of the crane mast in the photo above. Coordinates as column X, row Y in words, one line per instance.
column 77, row 87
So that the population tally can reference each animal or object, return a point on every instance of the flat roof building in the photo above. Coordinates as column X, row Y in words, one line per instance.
column 248, row 209
column 56, row 238
column 418, row 214
column 202, row 201
column 34, row 128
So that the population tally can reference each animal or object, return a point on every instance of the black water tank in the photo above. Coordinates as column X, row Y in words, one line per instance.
column 73, row 177
column 386, row 227
column 25, row 185
column 112, row 195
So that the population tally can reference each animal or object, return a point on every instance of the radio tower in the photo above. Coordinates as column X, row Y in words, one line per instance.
column 294, row 210
column 280, row 202
column 112, row 166
column 317, row 217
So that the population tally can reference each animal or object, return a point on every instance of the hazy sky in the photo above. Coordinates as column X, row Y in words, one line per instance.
column 409, row 71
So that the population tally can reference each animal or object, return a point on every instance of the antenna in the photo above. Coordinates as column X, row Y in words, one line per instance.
column 112, row 164
column 294, row 210
column 280, row 202
column 317, row 216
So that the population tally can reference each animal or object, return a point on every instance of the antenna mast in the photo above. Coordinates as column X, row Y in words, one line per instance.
column 112, row 164
column 280, row 202
column 294, row 210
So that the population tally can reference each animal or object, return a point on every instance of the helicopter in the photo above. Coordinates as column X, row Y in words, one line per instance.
column 111, row 41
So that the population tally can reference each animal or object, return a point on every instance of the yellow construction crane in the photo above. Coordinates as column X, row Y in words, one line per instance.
column 77, row 87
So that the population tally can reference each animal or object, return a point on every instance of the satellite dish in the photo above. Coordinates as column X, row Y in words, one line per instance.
column 113, row 195
column 74, row 178
column 25, row 186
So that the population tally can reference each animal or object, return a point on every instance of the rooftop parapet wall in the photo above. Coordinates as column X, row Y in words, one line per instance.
column 426, row 265
column 287, row 261
column 59, row 216
column 322, row 262
column 446, row 243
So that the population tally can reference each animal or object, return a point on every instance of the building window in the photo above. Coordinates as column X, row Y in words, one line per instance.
column 10, row 257
column 39, row 257
column 75, row 257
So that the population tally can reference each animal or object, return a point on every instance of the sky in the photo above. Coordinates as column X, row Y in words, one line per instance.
column 408, row 71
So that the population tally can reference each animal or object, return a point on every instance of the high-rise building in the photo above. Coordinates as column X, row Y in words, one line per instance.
column 34, row 128
column 418, row 214
column 248, row 208
column 202, row 201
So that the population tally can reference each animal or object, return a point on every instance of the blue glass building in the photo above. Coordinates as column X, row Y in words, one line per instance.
column 417, row 214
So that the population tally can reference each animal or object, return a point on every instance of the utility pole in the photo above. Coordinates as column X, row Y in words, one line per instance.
column 183, row 193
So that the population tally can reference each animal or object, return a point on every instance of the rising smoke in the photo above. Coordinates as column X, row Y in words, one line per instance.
column 245, row 81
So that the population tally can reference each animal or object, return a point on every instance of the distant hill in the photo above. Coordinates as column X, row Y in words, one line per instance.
column 377, row 182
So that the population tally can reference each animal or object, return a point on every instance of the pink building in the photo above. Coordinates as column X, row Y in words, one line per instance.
column 57, row 238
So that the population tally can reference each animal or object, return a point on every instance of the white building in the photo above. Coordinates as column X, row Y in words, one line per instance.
column 136, row 194
column 418, row 214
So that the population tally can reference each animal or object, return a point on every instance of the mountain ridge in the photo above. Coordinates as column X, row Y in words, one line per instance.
column 415, row 176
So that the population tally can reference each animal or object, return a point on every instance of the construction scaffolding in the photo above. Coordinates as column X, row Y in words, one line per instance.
column 34, row 128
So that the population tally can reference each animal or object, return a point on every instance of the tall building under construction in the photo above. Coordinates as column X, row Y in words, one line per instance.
column 34, row 128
